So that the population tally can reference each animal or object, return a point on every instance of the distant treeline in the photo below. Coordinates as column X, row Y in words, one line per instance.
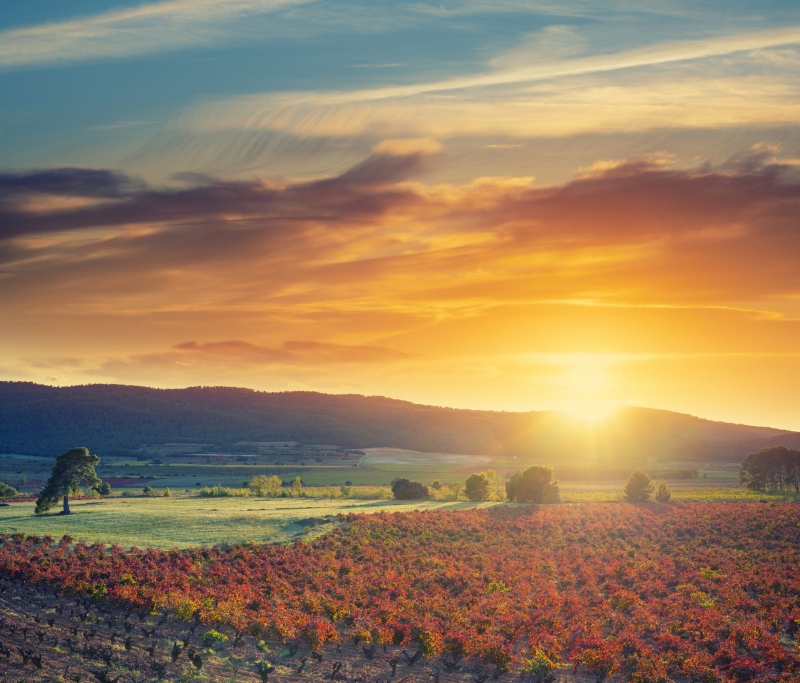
column 774, row 469
column 115, row 419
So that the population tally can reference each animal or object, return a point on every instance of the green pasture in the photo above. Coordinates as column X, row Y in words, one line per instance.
column 191, row 521
column 599, row 493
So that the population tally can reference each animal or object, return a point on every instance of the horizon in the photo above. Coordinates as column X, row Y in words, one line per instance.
column 512, row 206
column 583, row 418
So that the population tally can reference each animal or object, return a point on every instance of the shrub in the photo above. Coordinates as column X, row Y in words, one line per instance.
column 477, row 487
column 223, row 492
column 638, row 488
column 663, row 494
column 104, row 488
column 212, row 638
column 533, row 485
column 7, row 491
column 403, row 489
column 539, row 666
column 148, row 491
column 262, row 485
column 345, row 491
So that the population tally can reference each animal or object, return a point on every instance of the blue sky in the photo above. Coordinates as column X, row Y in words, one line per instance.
column 93, row 83
column 500, row 204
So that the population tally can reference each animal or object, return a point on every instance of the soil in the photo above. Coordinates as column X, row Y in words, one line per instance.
column 46, row 636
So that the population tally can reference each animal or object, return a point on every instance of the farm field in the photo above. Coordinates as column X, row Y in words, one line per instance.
column 192, row 521
column 653, row 592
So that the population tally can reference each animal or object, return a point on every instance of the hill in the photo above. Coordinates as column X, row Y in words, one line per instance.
column 39, row 419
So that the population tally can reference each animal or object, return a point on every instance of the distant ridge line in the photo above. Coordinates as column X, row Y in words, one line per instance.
column 41, row 419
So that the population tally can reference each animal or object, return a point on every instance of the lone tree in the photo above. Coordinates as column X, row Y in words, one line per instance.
column 533, row 485
column 403, row 489
column 638, row 488
column 73, row 468
column 663, row 494
column 477, row 487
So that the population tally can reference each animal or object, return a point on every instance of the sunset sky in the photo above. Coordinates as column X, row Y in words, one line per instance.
column 492, row 204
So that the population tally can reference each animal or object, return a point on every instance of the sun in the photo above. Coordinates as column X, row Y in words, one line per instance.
column 590, row 412
column 587, row 385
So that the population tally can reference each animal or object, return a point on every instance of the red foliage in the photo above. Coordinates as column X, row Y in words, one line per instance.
column 710, row 591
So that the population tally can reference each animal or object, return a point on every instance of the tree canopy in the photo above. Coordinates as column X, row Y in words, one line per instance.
column 663, row 494
column 73, row 468
column 477, row 487
column 404, row 489
column 639, row 487
column 774, row 469
column 533, row 485
column 7, row 491
column 263, row 485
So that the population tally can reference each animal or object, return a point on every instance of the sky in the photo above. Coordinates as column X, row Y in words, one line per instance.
column 504, row 205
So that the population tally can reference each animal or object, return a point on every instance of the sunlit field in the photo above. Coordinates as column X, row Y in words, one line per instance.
column 192, row 521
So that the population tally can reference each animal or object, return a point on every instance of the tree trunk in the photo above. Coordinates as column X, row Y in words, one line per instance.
column 66, row 510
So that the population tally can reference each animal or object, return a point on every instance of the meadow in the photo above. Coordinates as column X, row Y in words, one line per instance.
column 182, row 522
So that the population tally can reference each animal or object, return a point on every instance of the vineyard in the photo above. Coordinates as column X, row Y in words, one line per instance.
column 706, row 592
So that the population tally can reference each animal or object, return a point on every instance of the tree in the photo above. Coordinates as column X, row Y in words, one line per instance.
column 7, row 491
column 436, row 485
column 22, row 479
column 477, row 487
column 73, row 468
column 663, row 494
column 104, row 489
column 771, row 469
column 456, row 489
column 638, row 488
column 297, row 486
column 404, row 489
column 262, row 485
column 533, row 485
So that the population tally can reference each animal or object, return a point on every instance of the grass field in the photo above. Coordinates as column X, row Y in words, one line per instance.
column 184, row 521
column 599, row 493
column 193, row 521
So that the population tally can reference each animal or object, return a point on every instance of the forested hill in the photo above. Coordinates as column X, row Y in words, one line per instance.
column 40, row 419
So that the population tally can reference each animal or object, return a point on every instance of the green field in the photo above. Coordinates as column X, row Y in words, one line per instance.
column 598, row 493
column 192, row 521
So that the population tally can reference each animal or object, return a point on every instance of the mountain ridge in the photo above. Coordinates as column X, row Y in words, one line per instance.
column 42, row 419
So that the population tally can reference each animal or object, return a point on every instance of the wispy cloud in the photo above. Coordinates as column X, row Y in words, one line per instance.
column 145, row 29
column 119, row 125
column 664, row 53
column 525, row 100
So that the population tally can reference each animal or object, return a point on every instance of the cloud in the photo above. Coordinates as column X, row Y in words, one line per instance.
column 289, row 353
column 651, row 55
column 360, row 189
column 144, row 29
column 635, row 232
column 72, row 182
